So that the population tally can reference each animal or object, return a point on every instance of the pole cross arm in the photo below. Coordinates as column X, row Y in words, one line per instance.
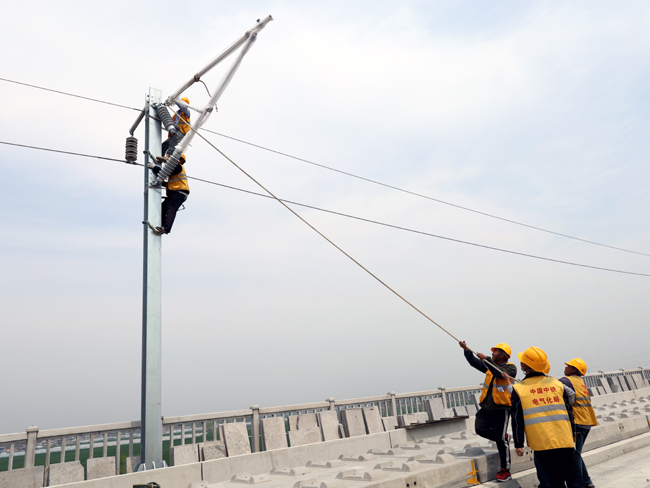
column 259, row 25
column 246, row 42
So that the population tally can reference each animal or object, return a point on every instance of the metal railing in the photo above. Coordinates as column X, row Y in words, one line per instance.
column 122, row 439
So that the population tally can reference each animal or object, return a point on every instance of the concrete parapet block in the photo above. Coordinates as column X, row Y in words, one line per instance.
column 274, row 434
column 353, row 423
column 186, row 454
column 307, row 421
column 212, row 450
column 131, row 463
column 329, row 425
column 23, row 478
column 301, row 437
column 235, row 436
column 435, row 409
column 100, row 468
column 390, row 423
column 372, row 419
column 59, row 474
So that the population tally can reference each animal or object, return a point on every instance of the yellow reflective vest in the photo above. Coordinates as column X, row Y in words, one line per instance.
column 500, row 393
column 179, row 181
column 546, row 420
column 583, row 413
column 183, row 123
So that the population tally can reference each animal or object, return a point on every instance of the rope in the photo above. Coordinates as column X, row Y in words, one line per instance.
column 327, row 239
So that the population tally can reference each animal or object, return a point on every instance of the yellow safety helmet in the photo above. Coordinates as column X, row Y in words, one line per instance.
column 548, row 368
column 183, row 158
column 578, row 364
column 535, row 359
column 186, row 100
column 504, row 347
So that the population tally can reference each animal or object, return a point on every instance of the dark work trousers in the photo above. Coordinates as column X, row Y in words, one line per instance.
column 556, row 467
column 581, row 437
column 170, row 206
column 493, row 424
column 170, row 143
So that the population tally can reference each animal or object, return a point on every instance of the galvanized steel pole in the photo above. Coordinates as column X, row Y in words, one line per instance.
column 151, row 427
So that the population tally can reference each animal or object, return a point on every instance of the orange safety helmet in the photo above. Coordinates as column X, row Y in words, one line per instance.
column 536, row 359
column 504, row 347
column 186, row 100
column 578, row 364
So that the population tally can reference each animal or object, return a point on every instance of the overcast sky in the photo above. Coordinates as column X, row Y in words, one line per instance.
column 534, row 111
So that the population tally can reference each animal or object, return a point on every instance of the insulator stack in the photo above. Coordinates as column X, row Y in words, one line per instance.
column 131, row 150
column 165, row 118
column 169, row 166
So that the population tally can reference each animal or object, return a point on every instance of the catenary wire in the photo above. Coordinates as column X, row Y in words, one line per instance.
column 369, row 180
column 70, row 94
column 620, row 359
column 341, row 214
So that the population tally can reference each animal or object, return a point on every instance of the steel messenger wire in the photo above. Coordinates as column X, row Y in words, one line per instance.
column 349, row 174
column 349, row 216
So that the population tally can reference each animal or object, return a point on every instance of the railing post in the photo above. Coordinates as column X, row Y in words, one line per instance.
column 30, row 449
column 255, row 428
column 332, row 402
column 393, row 404
column 443, row 393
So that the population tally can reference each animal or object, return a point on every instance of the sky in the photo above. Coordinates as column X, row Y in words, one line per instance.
column 532, row 111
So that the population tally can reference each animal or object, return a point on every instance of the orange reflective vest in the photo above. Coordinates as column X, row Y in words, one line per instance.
column 179, row 181
column 546, row 420
column 500, row 393
column 583, row 413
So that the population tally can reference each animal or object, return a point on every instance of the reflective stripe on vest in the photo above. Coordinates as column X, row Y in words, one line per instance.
column 179, row 181
column 500, row 397
column 583, row 412
column 546, row 420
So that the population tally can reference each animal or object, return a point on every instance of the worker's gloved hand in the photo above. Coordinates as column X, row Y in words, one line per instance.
column 151, row 165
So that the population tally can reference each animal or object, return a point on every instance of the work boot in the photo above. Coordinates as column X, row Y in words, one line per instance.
column 503, row 475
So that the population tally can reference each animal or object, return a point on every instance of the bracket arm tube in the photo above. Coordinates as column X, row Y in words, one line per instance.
column 232, row 48
column 173, row 160
column 138, row 120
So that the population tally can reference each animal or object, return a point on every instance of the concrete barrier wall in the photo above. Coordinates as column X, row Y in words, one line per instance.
column 172, row 477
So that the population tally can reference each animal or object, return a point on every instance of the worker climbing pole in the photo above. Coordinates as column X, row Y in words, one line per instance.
column 159, row 170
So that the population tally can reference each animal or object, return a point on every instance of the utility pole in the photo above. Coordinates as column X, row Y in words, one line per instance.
column 151, row 413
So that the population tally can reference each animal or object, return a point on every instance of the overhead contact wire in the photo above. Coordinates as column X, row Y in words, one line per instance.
column 369, row 180
column 70, row 94
column 341, row 214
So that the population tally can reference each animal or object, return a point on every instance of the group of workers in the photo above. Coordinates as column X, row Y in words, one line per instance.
column 553, row 416
column 177, row 188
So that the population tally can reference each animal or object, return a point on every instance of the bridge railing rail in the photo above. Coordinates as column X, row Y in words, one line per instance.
column 204, row 427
